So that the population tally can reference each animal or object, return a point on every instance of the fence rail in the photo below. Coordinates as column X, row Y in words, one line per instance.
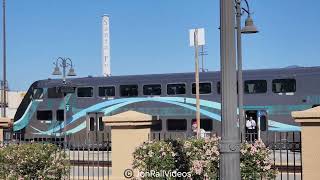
column 90, row 159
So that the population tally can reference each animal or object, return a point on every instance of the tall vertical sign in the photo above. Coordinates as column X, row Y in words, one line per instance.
column 106, row 70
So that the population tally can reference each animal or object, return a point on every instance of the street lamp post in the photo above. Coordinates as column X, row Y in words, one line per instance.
column 64, row 63
column 248, row 29
column 230, row 140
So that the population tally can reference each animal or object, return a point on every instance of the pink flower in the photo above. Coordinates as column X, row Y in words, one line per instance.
column 197, row 167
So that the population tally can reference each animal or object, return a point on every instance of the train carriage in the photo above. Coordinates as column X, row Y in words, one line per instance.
column 273, row 93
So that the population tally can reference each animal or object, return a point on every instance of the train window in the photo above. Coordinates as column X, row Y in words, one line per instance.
column 85, row 92
column 177, row 124
column 204, row 88
column 283, row 85
column 44, row 115
column 60, row 115
column 107, row 91
column 101, row 125
column 157, row 126
column 54, row 92
column 129, row 90
column 173, row 89
column 37, row 93
column 152, row 89
column 91, row 124
column 255, row 86
column 205, row 124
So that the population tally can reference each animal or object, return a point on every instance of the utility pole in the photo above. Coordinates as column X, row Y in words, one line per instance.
column 230, row 141
column 197, row 39
column 4, row 92
column 196, row 58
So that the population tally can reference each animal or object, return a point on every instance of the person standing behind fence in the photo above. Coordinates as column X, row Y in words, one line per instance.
column 194, row 128
column 251, row 129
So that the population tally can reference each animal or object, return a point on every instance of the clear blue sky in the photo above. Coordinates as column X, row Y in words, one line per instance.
column 150, row 36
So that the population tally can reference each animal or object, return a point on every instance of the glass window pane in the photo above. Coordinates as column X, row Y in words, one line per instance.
column 219, row 87
column 85, row 92
column 101, row 125
column 38, row 93
column 283, row 85
column 60, row 115
column 54, row 93
column 204, row 88
column 91, row 124
column 129, row 90
column 157, row 126
column 173, row 89
column 255, row 86
column 205, row 124
column 177, row 124
column 44, row 115
column 152, row 89
column 107, row 91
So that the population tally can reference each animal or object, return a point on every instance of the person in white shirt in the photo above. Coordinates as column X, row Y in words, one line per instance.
column 194, row 130
column 251, row 129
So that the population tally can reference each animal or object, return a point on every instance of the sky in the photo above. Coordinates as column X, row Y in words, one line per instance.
column 150, row 36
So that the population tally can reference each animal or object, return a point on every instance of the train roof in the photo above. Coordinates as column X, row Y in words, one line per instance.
column 278, row 72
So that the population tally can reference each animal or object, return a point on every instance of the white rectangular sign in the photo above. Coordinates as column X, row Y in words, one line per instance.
column 201, row 38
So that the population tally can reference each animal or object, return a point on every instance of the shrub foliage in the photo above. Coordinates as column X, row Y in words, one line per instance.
column 200, row 157
column 33, row 161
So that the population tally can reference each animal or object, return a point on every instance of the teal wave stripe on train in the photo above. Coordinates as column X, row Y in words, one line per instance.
column 112, row 105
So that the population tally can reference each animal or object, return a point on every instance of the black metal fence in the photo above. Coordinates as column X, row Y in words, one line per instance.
column 90, row 157
column 286, row 154
column 285, row 150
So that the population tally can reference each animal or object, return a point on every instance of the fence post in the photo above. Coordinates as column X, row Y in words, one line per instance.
column 128, row 130
column 310, row 131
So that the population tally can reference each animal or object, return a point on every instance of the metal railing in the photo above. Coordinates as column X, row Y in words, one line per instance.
column 87, row 159
column 90, row 157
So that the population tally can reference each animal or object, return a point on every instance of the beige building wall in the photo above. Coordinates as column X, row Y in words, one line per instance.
column 14, row 99
column 310, row 131
column 4, row 123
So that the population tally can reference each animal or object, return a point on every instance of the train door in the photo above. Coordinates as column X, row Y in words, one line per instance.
column 256, row 124
column 95, row 127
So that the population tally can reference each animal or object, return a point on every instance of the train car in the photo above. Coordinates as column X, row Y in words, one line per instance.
column 268, row 93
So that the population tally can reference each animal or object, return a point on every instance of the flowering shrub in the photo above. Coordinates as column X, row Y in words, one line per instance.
column 32, row 161
column 154, row 155
column 202, row 157
column 255, row 161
